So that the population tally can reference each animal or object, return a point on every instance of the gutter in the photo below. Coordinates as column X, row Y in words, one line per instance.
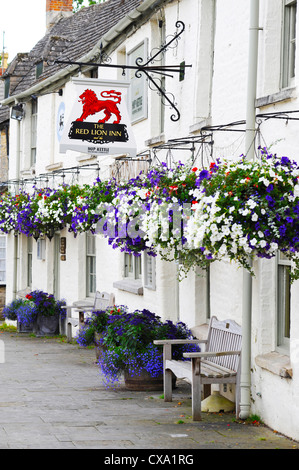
column 108, row 37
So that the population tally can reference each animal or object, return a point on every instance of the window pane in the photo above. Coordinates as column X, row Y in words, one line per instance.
column 289, row 43
column 138, row 269
column 284, row 304
column 91, row 245
column 91, row 263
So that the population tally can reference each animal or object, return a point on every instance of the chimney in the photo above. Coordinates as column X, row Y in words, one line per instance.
column 4, row 63
column 56, row 9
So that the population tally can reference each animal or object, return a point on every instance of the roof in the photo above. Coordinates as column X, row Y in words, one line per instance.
column 71, row 38
column 4, row 115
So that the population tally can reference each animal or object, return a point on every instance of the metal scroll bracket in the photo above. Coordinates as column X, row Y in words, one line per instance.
column 149, row 68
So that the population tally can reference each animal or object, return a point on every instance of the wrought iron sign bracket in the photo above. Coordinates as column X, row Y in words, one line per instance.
column 147, row 69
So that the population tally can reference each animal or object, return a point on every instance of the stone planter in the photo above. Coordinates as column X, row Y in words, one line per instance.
column 46, row 325
column 25, row 328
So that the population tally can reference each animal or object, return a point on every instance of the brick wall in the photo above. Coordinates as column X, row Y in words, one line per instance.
column 55, row 9
column 59, row 5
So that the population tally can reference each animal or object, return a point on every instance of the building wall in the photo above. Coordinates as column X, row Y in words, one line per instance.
column 215, row 43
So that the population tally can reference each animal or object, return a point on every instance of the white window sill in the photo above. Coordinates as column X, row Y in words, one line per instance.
column 160, row 139
column 130, row 285
column 283, row 95
column 276, row 363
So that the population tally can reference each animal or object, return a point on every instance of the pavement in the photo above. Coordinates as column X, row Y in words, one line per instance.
column 52, row 396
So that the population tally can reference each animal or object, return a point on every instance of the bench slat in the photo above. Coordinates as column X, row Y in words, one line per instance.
column 181, row 369
column 212, row 370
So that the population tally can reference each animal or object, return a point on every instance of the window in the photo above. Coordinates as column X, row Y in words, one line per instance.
column 138, row 89
column 2, row 259
column 29, row 261
column 289, row 43
column 133, row 268
column 6, row 87
column 149, row 272
column 94, row 73
column 283, row 302
column 39, row 68
column 90, row 264
column 33, row 131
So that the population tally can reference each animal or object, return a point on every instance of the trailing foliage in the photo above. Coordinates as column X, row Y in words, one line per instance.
column 231, row 211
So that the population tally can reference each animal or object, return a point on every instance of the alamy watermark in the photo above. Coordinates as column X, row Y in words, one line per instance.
column 170, row 220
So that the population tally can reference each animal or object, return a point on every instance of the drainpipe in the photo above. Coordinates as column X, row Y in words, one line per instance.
column 16, row 238
column 245, row 380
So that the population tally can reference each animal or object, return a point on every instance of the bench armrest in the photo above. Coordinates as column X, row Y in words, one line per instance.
column 211, row 354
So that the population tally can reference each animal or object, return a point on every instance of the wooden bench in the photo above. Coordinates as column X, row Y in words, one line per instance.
column 102, row 301
column 219, row 363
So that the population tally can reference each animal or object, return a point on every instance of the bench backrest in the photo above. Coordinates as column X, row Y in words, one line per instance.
column 225, row 336
column 103, row 300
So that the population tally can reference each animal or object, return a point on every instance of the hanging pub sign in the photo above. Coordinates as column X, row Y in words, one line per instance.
column 99, row 123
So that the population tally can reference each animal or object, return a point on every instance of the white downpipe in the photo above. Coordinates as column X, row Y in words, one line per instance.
column 245, row 381
column 16, row 238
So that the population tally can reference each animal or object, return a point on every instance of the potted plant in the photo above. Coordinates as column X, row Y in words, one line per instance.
column 23, row 311
column 94, row 326
column 48, row 312
column 129, row 349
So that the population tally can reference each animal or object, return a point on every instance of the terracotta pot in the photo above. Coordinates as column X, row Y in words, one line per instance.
column 144, row 381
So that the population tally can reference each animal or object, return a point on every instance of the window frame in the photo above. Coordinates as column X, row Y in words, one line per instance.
column 33, row 142
column 135, row 273
column 149, row 264
column 283, row 304
column 91, row 265
column 29, row 261
column 3, row 282
column 138, row 85
column 288, row 50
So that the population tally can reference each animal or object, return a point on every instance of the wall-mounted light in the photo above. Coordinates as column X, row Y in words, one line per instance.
column 17, row 112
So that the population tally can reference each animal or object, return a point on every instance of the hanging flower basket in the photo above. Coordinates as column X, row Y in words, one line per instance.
column 233, row 211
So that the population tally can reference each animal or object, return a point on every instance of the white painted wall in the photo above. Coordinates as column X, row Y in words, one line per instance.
column 274, row 398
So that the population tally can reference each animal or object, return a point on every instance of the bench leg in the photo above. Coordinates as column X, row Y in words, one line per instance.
column 167, row 375
column 196, row 390
column 167, row 385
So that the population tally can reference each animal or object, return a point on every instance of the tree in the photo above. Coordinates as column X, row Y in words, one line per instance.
column 77, row 4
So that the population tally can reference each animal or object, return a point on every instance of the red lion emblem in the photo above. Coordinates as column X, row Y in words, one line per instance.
column 91, row 105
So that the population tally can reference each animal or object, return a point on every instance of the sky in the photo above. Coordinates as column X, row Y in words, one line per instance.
column 22, row 23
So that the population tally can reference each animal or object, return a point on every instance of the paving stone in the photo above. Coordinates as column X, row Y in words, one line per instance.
column 52, row 396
